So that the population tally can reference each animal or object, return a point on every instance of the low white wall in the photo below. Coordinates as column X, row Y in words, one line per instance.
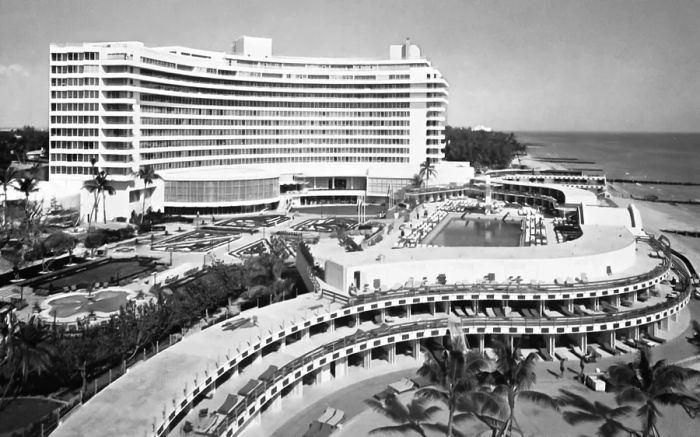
column 474, row 269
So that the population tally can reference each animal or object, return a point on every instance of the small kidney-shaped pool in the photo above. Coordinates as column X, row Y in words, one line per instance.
column 105, row 301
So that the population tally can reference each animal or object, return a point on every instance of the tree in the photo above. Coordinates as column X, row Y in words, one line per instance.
column 427, row 169
column 94, row 239
column 27, row 186
column 53, row 245
column 695, row 339
column 100, row 184
column 7, row 177
column 584, row 410
column 483, row 406
column 25, row 352
column 652, row 385
column 411, row 417
column 147, row 175
column 263, row 276
column 453, row 371
column 417, row 181
column 513, row 380
column 481, row 148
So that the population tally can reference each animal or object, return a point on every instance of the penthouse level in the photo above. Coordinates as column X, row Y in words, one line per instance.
column 331, row 130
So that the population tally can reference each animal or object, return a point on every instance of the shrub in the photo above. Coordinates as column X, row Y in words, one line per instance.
column 442, row 279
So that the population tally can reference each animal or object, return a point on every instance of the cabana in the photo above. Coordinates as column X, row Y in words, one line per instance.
column 229, row 404
column 268, row 374
column 249, row 387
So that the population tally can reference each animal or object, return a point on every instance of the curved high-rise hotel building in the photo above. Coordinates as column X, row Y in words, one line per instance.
column 233, row 132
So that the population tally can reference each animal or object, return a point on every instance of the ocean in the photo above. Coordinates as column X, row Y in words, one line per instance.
column 651, row 156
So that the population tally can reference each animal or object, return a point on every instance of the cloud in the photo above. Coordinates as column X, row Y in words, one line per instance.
column 13, row 70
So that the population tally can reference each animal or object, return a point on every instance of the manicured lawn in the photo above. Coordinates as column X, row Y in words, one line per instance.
column 24, row 411
column 116, row 269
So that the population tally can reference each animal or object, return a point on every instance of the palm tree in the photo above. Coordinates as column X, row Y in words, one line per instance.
column 427, row 169
column 453, row 371
column 7, row 177
column 100, row 184
column 25, row 352
column 411, row 417
column 513, row 380
column 417, row 180
column 147, row 175
column 26, row 185
column 587, row 411
column 487, row 408
column 652, row 385
column 695, row 339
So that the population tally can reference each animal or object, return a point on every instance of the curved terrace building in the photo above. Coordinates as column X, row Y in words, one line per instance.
column 330, row 130
column 588, row 282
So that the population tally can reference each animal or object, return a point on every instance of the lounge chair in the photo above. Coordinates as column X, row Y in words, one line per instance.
column 566, row 312
column 607, row 347
column 593, row 353
column 402, row 385
column 337, row 418
column 545, row 354
column 326, row 415
column 624, row 348
column 656, row 339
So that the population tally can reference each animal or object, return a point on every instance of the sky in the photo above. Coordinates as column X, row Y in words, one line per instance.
column 536, row 65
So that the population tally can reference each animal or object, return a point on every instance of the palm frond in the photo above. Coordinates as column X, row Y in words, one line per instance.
column 577, row 417
column 393, row 429
column 630, row 394
column 539, row 398
column 442, row 428
column 433, row 393
column 676, row 398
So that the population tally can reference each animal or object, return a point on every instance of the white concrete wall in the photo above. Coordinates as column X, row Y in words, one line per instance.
column 473, row 270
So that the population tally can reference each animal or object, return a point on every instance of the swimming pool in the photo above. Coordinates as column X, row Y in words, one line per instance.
column 477, row 232
column 106, row 301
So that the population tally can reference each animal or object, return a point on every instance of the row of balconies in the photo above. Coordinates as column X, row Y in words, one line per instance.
column 290, row 374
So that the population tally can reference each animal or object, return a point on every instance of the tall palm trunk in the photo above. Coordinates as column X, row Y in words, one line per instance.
column 104, row 207
column 26, row 210
column 4, row 207
column 95, row 206
column 143, row 205
column 452, row 403
column 650, row 425
column 508, row 425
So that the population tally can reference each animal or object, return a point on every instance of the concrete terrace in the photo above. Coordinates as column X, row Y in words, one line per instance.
column 130, row 405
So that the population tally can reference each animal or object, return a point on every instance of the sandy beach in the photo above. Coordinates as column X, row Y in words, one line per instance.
column 655, row 215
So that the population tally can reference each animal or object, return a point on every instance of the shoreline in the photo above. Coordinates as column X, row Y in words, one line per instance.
column 655, row 215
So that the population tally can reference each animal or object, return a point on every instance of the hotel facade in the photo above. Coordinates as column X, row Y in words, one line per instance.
column 243, row 131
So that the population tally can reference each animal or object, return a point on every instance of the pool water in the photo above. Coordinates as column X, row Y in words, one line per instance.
column 102, row 301
column 481, row 233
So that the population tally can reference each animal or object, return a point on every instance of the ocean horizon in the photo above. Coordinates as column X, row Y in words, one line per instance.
column 628, row 155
